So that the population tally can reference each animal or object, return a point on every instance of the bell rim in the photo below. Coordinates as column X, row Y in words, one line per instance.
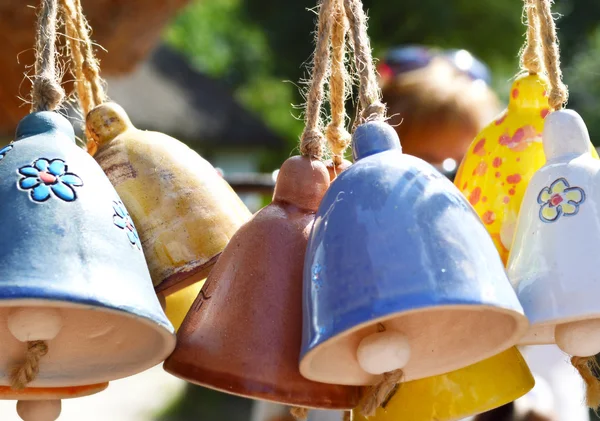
column 50, row 393
column 508, row 394
column 528, row 338
column 521, row 327
column 179, row 369
column 164, row 331
column 182, row 279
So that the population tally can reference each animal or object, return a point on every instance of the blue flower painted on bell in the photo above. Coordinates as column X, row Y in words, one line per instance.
column 4, row 151
column 123, row 220
column 45, row 178
column 559, row 199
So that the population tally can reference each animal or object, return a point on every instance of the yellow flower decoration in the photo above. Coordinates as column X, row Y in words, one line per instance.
column 560, row 199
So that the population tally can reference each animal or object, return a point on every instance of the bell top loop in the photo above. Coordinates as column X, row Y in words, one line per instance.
column 530, row 91
column 302, row 182
column 44, row 122
column 565, row 133
column 107, row 121
column 374, row 137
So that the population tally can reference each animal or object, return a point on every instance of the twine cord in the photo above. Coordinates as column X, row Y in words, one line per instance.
column 46, row 94
column 558, row 90
column 530, row 53
column 27, row 372
column 87, row 71
column 589, row 370
column 380, row 393
column 88, row 82
column 369, row 91
column 312, row 139
column 338, row 138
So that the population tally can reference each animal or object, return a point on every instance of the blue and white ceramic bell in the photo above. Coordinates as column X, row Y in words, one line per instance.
column 73, row 271
column 552, row 261
column 400, row 273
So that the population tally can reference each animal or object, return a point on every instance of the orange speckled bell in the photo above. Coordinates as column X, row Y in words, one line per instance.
column 503, row 157
column 184, row 211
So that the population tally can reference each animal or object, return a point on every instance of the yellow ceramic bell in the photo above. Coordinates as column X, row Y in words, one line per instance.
column 503, row 157
column 185, row 212
column 459, row 394
column 177, row 305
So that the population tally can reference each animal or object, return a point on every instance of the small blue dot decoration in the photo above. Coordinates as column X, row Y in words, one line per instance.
column 46, row 178
column 5, row 150
column 122, row 220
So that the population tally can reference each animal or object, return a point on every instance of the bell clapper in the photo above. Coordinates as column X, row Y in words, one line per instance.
column 39, row 410
column 581, row 339
column 34, row 324
column 383, row 352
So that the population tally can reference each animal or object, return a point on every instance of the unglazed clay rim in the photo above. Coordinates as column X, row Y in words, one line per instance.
column 52, row 393
column 171, row 284
column 553, row 323
column 521, row 328
column 169, row 339
column 257, row 396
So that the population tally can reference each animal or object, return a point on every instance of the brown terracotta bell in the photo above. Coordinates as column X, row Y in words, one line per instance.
column 243, row 333
column 184, row 211
column 335, row 170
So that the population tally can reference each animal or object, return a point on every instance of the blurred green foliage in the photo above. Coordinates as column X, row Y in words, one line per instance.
column 261, row 47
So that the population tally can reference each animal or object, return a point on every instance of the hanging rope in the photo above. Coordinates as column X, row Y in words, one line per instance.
column 530, row 53
column 299, row 413
column 589, row 370
column 369, row 91
column 28, row 370
column 379, row 394
column 338, row 138
column 89, row 84
column 558, row 90
column 47, row 94
column 347, row 416
column 312, row 139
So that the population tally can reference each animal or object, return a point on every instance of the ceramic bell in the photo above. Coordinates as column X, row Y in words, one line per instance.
column 242, row 336
column 457, row 395
column 396, row 246
column 503, row 157
column 184, row 210
column 44, row 404
column 177, row 305
column 73, row 271
column 551, row 263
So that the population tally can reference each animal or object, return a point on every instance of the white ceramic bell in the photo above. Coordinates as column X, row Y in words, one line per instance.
column 552, row 263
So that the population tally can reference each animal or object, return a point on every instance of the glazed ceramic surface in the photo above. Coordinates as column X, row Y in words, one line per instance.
column 50, row 393
column 179, row 303
column 454, row 396
column 184, row 210
column 551, row 263
column 68, row 243
column 395, row 243
column 242, row 336
column 503, row 157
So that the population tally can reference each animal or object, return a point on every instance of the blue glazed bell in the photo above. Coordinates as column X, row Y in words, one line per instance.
column 400, row 273
column 73, row 272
